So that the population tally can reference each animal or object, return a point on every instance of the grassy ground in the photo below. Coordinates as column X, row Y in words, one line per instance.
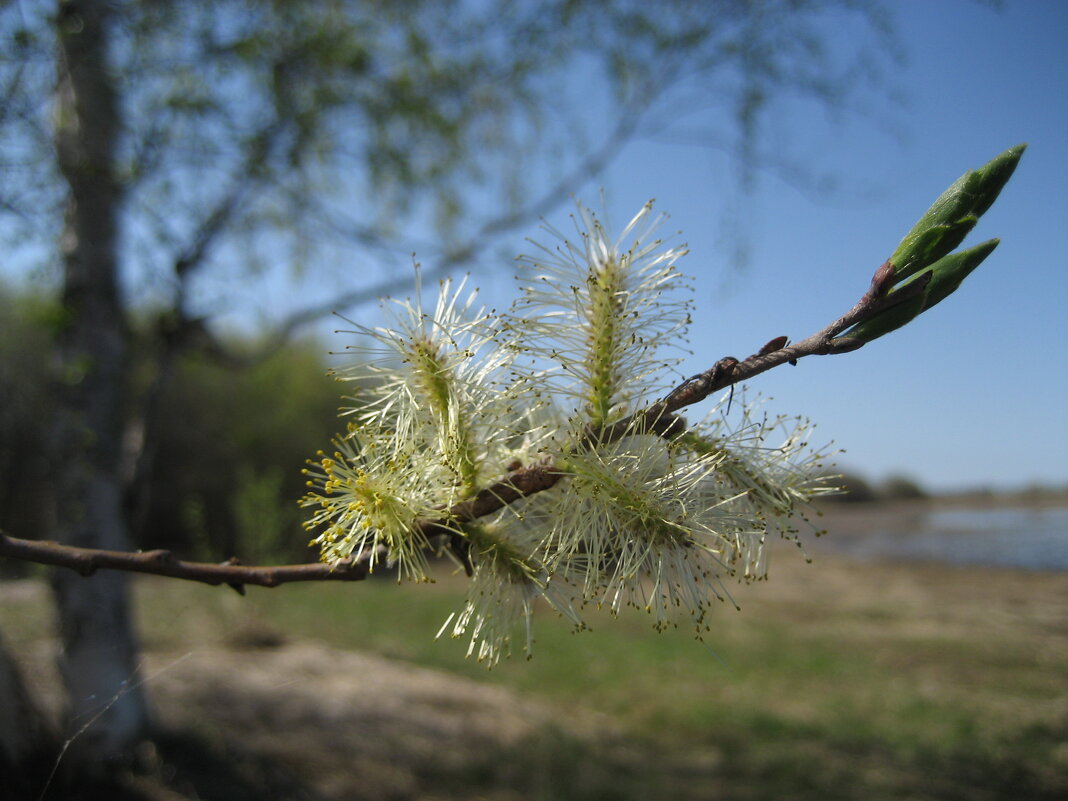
column 838, row 680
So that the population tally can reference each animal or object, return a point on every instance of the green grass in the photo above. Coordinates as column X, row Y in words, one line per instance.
column 843, row 705
column 802, row 695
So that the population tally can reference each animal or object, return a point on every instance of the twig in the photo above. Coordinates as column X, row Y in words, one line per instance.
column 163, row 563
column 658, row 417
column 591, row 165
column 86, row 561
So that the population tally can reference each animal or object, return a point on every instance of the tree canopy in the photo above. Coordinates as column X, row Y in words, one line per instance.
column 153, row 153
column 286, row 135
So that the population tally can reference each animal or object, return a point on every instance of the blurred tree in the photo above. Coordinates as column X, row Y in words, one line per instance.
column 25, row 409
column 161, row 148
column 855, row 489
column 900, row 487
column 229, row 448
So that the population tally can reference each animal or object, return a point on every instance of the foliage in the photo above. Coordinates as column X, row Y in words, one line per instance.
column 223, row 478
column 901, row 487
column 25, row 363
column 256, row 135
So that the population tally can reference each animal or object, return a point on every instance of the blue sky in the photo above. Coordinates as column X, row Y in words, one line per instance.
column 975, row 393
column 972, row 394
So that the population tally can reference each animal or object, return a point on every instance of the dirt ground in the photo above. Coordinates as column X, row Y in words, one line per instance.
column 299, row 719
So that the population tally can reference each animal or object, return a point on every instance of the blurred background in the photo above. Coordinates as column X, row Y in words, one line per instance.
column 193, row 191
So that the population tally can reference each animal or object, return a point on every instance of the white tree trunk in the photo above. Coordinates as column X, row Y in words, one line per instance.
column 99, row 656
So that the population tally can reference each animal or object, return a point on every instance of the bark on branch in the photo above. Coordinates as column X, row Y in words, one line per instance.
column 87, row 561
column 658, row 417
column 161, row 562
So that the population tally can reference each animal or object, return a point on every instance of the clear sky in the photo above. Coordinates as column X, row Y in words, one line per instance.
column 975, row 393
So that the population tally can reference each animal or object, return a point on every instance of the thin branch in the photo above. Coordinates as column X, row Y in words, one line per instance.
column 282, row 333
column 658, row 417
column 248, row 175
column 87, row 561
column 519, row 483
column 593, row 164
column 728, row 371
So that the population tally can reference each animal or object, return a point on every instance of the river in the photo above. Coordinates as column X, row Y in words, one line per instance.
column 1031, row 538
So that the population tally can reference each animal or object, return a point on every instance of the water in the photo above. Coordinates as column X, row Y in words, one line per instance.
column 1019, row 537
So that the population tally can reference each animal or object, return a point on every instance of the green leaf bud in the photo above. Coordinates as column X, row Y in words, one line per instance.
column 931, row 245
column 993, row 176
column 954, row 214
column 942, row 279
column 948, row 273
column 896, row 316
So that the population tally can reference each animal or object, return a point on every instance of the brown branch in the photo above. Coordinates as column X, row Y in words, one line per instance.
column 86, row 561
column 658, row 417
column 517, row 484
column 163, row 563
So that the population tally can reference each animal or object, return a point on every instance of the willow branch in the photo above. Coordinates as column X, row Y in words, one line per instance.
column 161, row 562
column 518, row 484
column 87, row 561
column 658, row 417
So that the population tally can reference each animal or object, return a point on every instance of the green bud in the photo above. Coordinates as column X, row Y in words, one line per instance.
column 954, row 214
column 896, row 316
column 931, row 245
column 993, row 176
column 942, row 280
column 948, row 272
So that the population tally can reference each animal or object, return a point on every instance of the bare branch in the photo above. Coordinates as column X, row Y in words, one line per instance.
column 726, row 372
column 517, row 484
column 245, row 178
column 87, row 561
column 298, row 319
column 658, row 417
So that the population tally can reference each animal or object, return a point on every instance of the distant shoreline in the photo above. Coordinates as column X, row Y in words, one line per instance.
column 1040, row 497
column 985, row 498
column 1004, row 531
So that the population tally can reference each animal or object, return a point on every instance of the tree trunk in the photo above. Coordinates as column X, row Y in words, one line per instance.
column 98, row 661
